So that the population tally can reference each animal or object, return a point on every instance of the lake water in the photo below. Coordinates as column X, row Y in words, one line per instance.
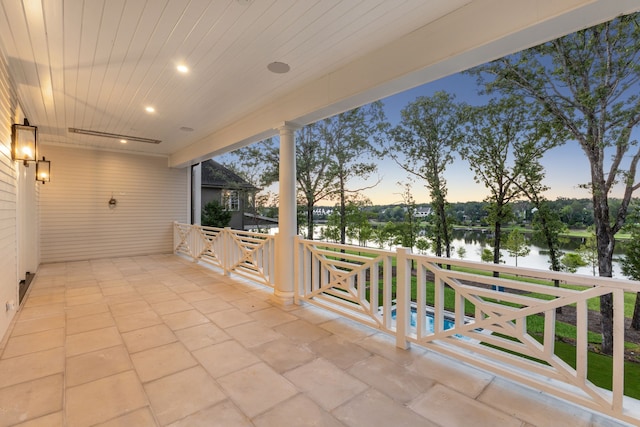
column 474, row 241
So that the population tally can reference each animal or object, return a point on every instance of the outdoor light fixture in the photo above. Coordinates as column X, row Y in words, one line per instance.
column 23, row 142
column 43, row 170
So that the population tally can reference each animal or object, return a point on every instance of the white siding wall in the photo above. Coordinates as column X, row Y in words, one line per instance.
column 8, row 197
column 76, row 222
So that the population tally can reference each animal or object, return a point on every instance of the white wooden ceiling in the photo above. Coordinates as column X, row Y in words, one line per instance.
column 96, row 64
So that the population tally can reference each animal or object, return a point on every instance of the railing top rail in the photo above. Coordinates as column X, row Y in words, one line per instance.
column 573, row 279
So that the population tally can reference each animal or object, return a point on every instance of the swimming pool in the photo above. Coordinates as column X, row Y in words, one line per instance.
column 448, row 324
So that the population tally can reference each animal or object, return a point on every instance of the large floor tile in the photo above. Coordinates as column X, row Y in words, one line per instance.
column 184, row 319
column 301, row 409
column 224, row 358
column 32, row 399
column 139, row 418
column 373, row 408
column 146, row 338
column 160, row 361
column 283, row 354
column 224, row 414
column 104, row 399
column 183, row 393
column 137, row 321
column 447, row 407
column 88, row 323
column 31, row 366
column 326, row 384
column 85, row 342
column 200, row 336
column 31, row 343
column 257, row 388
column 97, row 364
column 41, row 324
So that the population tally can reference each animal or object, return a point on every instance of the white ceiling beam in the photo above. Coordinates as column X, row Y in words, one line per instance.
column 479, row 32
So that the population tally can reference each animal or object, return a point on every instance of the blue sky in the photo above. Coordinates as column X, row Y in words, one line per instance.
column 566, row 167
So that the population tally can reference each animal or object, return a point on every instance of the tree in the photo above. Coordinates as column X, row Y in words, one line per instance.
column 214, row 215
column 349, row 136
column 358, row 225
column 487, row 255
column 572, row 261
column 501, row 141
column 423, row 144
column 631, row 265
column 516, row 244
column 587, row 83
column 408, row 229
column 312, row 171
column 589, row 252
column 461, row 252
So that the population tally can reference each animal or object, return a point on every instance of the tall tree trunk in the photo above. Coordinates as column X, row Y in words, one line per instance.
column 309, row 220
column 496, row 245
column 635, row 322
column 343, row 213
column 605, row 244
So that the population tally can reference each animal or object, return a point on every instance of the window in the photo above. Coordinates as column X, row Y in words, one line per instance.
column 231, row 200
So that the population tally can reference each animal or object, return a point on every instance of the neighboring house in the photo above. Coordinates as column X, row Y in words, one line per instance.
column 226, row 187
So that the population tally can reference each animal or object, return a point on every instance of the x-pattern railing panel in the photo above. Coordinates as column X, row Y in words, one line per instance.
column 247, row 254
column 498, row 329
column 345, row 281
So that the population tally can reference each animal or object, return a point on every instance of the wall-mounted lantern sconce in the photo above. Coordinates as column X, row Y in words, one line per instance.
column 23, row 142
column 43, row 170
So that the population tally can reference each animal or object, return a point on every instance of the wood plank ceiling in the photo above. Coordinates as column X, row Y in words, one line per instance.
column 97, row 64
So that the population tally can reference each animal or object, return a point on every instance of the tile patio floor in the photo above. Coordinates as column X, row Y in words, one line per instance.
column 158, row 340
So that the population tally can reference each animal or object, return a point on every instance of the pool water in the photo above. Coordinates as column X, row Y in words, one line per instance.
column 448, row 324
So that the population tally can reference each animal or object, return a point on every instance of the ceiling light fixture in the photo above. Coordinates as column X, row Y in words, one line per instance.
column 182, row 68
column 123, row 141
column 278, row 67
column 114, row 136
column 149, row 109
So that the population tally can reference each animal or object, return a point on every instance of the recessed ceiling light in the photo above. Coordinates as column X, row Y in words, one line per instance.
column 278, row 67
column 149, row 109
column 182, row 68
column 123, row 141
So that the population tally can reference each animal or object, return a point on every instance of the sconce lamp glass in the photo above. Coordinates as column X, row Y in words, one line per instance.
column 23, row 142
column 43, row 170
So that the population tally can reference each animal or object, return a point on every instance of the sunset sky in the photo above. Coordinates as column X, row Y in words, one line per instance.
column 566, row 167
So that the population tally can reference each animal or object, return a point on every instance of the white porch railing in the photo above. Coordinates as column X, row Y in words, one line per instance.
column 506, row 325
column 247, row 254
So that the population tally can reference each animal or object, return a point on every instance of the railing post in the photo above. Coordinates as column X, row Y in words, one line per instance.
column 227, row 247
column 403, row 297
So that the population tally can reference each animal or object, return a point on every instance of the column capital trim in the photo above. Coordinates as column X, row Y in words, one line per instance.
column 287, row 126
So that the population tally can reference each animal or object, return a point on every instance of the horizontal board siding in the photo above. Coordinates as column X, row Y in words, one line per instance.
column 8, row 191
column 76, row 222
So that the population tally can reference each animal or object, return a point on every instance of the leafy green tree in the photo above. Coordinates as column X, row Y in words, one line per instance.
column 422, row 244
column 315, row 183
column 214, row 215
column 358, row 225
column 501, row 141
column 424, row 144
column 587, row 83
column 631, row 264
column 461, row 252
column 349, row 137
column 589, row 252
column 408, row 229
column 487, row 255
column 572, row 261
column 517, row 245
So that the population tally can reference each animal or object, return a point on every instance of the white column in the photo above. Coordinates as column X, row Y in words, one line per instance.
column 196, row 193
column 287, row 218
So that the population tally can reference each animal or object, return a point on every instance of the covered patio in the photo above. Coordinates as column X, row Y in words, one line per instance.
column 158, row 340
column 119, row 328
